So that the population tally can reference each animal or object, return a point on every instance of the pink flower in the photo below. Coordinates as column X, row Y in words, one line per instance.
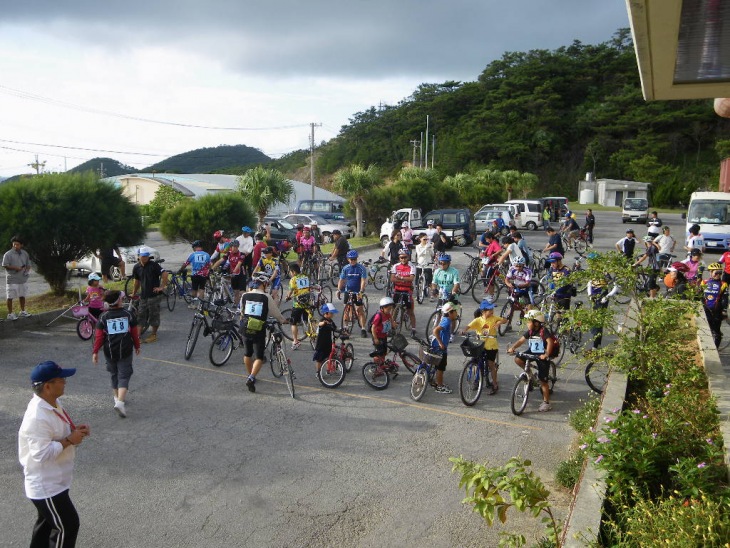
column 614, row 430
column 603, row 439
column 583, row 447
column 701, row 465
column 608, row 419
column 709, row 440
column 636, row 412
column 599, row 459
column 654, row 435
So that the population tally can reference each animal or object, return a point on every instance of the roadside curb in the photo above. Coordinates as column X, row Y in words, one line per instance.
column 10, row 327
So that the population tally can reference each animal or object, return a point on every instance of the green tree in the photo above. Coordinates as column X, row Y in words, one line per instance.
column 199, row 219
column 165, row 198
column 356, row 182
column 264, row 188
column 64, row 216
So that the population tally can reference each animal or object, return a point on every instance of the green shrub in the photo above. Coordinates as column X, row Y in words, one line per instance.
column 584, row 418
column 568, row 472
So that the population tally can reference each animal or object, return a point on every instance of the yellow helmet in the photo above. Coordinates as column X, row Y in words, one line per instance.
column 715, row 266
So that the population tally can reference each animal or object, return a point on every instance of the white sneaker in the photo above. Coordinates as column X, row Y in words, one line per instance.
column 12, row 316
column 544, row 406
column 120, row 409
column 24, row 314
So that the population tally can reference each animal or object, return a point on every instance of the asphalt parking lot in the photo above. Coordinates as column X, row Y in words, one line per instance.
column 201, row 461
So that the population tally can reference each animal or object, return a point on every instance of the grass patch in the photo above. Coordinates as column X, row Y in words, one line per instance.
column 585, row 416
column 354, row 242
column 48, row 302
column 568, row 471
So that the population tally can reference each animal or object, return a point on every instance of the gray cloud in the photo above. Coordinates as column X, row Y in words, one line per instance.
column 351, row 38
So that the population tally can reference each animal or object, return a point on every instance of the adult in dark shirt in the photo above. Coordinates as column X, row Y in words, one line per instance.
column 393, row 248
column 555, row 243
column 440, row 241
column 590, row 224
column 152, row 280
column 108, row 260
column 339, row 253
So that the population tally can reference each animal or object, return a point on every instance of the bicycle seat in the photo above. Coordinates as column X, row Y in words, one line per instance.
column 343, row 336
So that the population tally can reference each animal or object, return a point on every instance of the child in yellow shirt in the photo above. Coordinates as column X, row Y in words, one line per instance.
column 485, row 325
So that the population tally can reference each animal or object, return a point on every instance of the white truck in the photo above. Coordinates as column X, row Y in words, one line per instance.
column 412, row 216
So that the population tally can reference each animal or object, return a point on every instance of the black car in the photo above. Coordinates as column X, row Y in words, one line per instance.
column 280, row 230
column 458, row 224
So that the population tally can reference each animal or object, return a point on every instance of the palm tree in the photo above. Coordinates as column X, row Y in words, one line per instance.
column 355, row 182
column 263, row 188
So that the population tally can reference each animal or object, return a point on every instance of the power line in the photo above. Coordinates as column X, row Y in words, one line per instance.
column 81, row 148
column 50, row 101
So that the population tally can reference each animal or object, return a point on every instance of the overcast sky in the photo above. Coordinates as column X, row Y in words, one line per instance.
column 96, row 75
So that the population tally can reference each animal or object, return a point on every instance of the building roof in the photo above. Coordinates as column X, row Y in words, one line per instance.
column 200, row 184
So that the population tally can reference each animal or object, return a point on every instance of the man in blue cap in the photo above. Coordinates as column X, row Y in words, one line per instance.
column 246, row 244
column 150, row 280
column 47, row 443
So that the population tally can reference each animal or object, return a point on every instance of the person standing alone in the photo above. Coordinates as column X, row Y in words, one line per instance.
column 47, row 442
column 17, row 269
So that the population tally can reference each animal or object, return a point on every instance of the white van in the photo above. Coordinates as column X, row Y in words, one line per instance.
column 711, row 210
column 530, row 213
column 635, row 210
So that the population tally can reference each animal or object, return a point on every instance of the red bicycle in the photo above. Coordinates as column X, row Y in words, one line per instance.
column 340, row 361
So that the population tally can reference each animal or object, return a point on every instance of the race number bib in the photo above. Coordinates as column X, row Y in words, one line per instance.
column 536, row 345
column 254, row 309
column 302, row 283
column 117, row 326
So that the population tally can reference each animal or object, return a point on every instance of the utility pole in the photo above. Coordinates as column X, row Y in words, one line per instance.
column 433, row 149
column 420, row 151
column 38, row 166
column 312, row 125
column 101, row 170
column 414, row 142
column 426, row 164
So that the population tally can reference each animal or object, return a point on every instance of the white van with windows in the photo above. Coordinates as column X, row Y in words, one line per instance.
column 711, row 210
column 530, row 213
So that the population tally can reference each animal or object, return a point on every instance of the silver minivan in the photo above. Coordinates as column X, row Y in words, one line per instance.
column 530, row 213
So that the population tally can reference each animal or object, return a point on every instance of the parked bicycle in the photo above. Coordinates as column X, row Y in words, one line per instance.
column 420, row 287
column 227, row 339
column 527, row 381
column 205, row 310
column 429, row 358
column 488, row 288
column 377, row 272
column 471, row 274
column 349, row 312
column 377, row 373
column 177, row 287
column 280, row 363
column 437, row 314
column 475, row 374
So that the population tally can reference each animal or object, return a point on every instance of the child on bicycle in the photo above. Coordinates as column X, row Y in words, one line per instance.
column 540, row 343
column 325, row 336
column 299, row 288
column 441, row 338
column 485, row 325
column 381, row 326
column 95, row 295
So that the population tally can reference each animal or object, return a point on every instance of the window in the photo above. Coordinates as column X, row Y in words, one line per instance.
column 449, row 218
column 320, row 207
column 305, row 206
column 535, row 208
column 462, row 218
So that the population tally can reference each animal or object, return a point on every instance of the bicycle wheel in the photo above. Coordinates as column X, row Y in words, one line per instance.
column 186, row 289
column 520, row 394
column 467, row 280
column 332, row 373
column 538, row 293
column 471, row 382
column 375, row 376
column 597, row 376
column 380, row 278
column 348, row 318
column 171, row 296
column 276, row 369
column 221, row 348
column 84, row 329
column 552, row 375
column 348, row 357
column 286, row 370
column 507, row 313
column 581, row 246
column 575, row 339
column 561, row 354
column 411, row 361
column 433, row 321
column 419, row 288
column 335, row 274
column 129, row 287
column 419, row 383
column 481, row 291
column 193, row 336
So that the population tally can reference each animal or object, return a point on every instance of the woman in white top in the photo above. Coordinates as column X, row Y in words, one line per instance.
column 425, row 259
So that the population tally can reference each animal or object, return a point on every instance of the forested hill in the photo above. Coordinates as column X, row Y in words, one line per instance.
column 207, row 160
column 107, row 166
column 557, row 114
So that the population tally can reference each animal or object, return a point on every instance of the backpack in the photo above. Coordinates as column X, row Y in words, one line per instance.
column 369, row 324
column 556, row 343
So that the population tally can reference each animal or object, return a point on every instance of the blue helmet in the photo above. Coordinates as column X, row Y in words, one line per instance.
column 486, row 305
column 352, row 254
column 246, row 229
column 592, row 255
column 445, row 258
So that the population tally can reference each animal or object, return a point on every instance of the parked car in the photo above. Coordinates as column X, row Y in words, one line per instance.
column 91, row 263
column 332, row 210
column 458, row 224
column 530, row 213
column 484, row 217
column 325, row 226
column 280, row 230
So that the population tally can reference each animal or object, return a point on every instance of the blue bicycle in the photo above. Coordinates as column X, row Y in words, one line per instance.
column 425, row 371
column 475, row 375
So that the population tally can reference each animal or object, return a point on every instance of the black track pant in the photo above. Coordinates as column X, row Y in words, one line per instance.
column 57, row 524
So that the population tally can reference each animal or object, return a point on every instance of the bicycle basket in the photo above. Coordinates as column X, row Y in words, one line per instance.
column 223, row 324
column 429, row 356
column 399, row 343
column 80, row 311
column 472, row 348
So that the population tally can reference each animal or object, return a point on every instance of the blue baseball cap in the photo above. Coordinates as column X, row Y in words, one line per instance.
column 48, row 370
column 486, row 305
column 328, row 307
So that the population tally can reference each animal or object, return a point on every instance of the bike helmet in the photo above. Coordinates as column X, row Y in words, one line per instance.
column 592, row 255
column 519, row 261
column 217, row 234
column 404, row 252
column 535, row 315
column 445, row 258
column 714, row 266
column 267, row 250
column 261, row 278
column 386, row 301
column 246, row 229
column 197, row 243
column 306, row 228
column 352, row 254
column 486, row 305
column 507, row 240
column 314, row 223
column 95, row 276
column 679, row 267
column 695, row 252
column 328, row 308
column 448, row 307
column 555, row 256
column 235, row 243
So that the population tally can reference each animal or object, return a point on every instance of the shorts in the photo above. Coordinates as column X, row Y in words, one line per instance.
column 543, row 370
column 299, row 314
column 238, row 282
column 153, row 303
column 381, row 349
column 403, row 296
column 107, row 263
column 121, row 371
column 96, row 312
column 16, row 291
column 490, row 355
column 442, row 364
column 198, row 282
column 357, row 299
column 276, row 284
column 254, row 345
column 321, row 355
column 651, row 281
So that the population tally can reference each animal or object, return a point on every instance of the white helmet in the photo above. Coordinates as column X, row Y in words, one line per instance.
column 448, row 307
column 386, row 301
column 535, row 315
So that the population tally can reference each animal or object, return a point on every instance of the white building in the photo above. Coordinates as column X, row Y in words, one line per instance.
column 141, row 187
column 611, row 192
